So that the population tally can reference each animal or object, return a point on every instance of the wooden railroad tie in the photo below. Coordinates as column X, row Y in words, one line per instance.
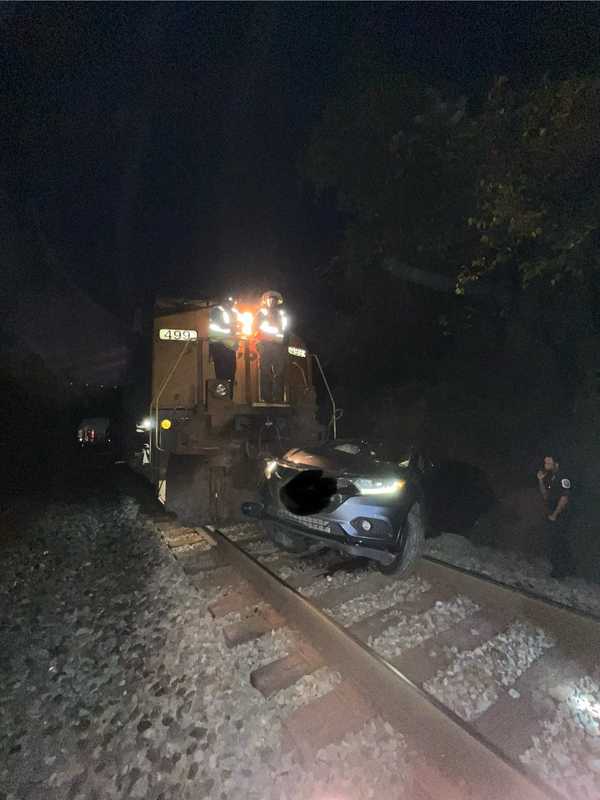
column 284, row 672
column 342, row 711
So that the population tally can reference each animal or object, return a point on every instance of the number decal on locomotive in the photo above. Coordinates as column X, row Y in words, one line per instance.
column 175, row 335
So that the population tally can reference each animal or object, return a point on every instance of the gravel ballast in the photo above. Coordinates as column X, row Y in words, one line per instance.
column 472, row 683
column 516, row 569
column 411, row 631
column 338, row 580
column 567, row 754
column 116, row 682
column 365, row 605
column 241, row 531
column 338, row 773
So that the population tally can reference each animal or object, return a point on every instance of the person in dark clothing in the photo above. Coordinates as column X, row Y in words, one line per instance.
column 555, row 488
column 224, row 361
column 223, row 340
column 273, row 361
column 271, row 329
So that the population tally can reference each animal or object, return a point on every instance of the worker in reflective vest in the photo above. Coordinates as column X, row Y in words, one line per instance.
column 223, row 339
column 271, row 325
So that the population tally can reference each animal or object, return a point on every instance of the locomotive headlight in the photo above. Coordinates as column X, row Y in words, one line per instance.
column 270, row 469
column 247, row 321
column 221, row 390
column 388, row 486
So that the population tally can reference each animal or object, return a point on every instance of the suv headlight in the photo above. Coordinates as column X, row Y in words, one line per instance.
column 387, row 486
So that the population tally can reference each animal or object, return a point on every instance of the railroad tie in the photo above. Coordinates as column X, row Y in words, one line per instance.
column 284, row 672
column 261, row 620
column 220, row 577
column 311, row 727
column 430, row 783
column 512, row 722
column 420, row 666
column 250, row 539
column 181, row 537
column 378, row 621
column 237, row 600
column 200, row 562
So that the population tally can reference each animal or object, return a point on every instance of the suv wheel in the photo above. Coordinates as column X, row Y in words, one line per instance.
column 414, row 537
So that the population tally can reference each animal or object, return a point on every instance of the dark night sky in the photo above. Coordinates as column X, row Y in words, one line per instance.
column 159, row 142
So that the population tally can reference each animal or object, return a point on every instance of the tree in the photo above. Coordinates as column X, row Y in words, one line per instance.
column 537, row 195
column 386, row 150
column 503, row 200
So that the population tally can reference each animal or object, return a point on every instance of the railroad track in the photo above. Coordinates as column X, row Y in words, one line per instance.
column 477, row 676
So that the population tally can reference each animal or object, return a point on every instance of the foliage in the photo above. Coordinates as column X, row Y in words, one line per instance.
column 509, row 189
column 387, row 151
column 537, row 196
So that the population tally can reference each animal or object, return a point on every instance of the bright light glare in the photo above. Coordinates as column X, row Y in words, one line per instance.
column 587, row 704
column 266, row 327
column 213, row 326
column 297, row 351
column 371, row 486
column 270, row 469
column 145, row 424
column 247, row 320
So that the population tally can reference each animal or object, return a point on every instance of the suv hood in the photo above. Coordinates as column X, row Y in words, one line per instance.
column 341, row 457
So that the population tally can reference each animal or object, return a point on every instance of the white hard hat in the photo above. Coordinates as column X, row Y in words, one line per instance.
column 271, row 293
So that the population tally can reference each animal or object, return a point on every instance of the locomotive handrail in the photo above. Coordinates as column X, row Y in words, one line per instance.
column 334, row 415
column 155, row 400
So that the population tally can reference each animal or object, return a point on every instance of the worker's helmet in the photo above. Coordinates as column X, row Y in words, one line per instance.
column 271, row 298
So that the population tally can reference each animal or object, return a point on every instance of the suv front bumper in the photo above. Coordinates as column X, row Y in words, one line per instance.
column 343, row 525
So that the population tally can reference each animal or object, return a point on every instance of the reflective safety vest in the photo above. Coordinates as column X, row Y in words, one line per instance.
column 271, row 324
column 222, row 326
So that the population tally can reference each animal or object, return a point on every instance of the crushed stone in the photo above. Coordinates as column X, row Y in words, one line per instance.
column 411, row 631
column 474, row 680
column 516, row 569
column 341, row 578
column 117, row 682
column 567, row 753
column 365, row 605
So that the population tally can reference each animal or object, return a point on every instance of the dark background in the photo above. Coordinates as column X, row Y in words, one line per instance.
column 158, row 144
column 160, row 148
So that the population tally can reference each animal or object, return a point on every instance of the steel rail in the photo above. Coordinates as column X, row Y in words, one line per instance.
column 576, row 630
column 471, row 766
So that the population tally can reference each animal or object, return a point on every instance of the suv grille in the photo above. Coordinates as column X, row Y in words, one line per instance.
column 314, row 523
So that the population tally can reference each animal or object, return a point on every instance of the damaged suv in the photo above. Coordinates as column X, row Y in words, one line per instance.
column 351, row 496
column 342, row 495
